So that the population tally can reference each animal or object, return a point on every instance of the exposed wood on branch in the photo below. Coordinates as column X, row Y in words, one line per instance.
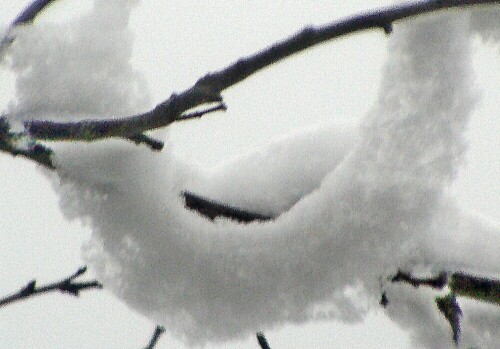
column 212, row 209
column 68, row 285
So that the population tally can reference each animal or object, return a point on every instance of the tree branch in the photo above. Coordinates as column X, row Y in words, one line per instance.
column 460, row 284
column 67, row 285
column 156, row 336
column 31, row 12
column 475, row 287
column 434, row 282
column 208, row 88
column 10, row 143
column 261, row 339
column 448, row 306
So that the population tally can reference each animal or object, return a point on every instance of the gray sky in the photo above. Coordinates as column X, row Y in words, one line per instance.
column 175, row 44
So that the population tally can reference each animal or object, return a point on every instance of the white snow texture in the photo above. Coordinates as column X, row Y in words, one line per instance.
column 353, row 205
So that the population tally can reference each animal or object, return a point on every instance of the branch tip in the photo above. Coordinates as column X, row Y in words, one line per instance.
column 159, row 330
column 261, row 339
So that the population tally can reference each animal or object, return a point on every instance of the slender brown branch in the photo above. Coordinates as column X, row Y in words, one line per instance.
column 208, row 89
column 156, row 336
column 67, row 285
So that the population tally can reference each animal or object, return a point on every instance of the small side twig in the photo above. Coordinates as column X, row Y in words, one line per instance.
column 67, row 285
column 156, row 336
column 198, row 114
column 262, row 341
column 154, row 144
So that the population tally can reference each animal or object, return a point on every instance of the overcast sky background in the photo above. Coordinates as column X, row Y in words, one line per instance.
column 177, row 42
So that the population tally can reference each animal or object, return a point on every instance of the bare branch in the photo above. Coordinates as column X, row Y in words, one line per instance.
column 212, row 209
column 208, row 88
column 156, row 336
column 67, row 285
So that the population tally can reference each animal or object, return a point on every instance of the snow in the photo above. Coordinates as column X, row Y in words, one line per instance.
column 352, row 204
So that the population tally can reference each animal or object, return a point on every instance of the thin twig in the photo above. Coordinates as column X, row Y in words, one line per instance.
column 67, row 285
column 156, row 336
column 208, row 88
column 198, row 114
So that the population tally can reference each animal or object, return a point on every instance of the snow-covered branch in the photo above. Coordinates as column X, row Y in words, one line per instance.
column 208, row 89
